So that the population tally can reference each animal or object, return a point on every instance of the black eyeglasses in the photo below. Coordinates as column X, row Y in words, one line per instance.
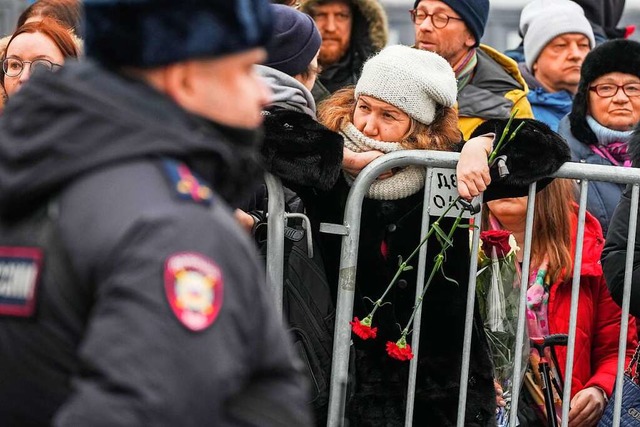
column 608, row 90
column 439, row 20
column 13, row 67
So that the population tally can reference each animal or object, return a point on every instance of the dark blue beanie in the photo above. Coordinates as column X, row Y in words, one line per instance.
column 150, row 33
column 295, row 41
column 474, row 13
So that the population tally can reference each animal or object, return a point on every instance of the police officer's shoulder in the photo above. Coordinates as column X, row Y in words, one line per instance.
column 108, row 203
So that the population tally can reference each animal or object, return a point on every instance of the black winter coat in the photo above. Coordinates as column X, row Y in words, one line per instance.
column 615, row 248
column 381, row 381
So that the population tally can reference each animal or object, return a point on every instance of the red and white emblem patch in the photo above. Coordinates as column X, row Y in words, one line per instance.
column 193, row 284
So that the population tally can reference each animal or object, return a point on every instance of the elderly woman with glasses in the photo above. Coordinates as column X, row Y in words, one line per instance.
column 36, row 45
column 605, row 110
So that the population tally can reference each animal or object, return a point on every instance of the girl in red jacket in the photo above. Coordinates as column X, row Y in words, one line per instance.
column 548, row 308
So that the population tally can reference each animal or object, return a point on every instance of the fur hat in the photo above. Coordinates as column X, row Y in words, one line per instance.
column 535, row 153
column 613, row 56
column 413, row 80
column 474, row 14
column 542, row 21
column 151, row 33
column 295, row 42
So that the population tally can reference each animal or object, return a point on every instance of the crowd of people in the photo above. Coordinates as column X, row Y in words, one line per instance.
column 133, row 141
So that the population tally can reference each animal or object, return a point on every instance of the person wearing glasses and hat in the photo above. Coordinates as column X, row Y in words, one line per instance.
column 129, row 295
column 489, row 84
column 605, row 110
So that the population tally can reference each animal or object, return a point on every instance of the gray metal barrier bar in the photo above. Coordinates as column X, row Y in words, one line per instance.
column 468, row 321
column 575, row 294
column 626, row 299
column 417, row 322
column 275, row 239
column 524, row 283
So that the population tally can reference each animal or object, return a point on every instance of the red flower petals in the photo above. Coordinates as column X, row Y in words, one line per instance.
column 498, row 239
column 363, row 329
column 399, row 350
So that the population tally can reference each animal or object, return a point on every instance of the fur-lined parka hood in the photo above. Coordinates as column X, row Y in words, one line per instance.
column 369, row 33
column 375, row 34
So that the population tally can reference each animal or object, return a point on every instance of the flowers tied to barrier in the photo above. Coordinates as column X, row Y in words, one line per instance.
column 401, row 349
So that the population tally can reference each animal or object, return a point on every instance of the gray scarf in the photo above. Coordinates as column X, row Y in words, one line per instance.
column 287, row 92
column 409, row 180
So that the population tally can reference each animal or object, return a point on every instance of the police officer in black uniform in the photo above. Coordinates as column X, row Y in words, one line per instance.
column 129, row 296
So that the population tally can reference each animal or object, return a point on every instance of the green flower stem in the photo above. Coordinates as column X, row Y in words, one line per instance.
column 403, row 265
column 438, row 263
column 504, row 134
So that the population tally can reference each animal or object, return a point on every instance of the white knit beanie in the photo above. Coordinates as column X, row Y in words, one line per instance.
column 543, row 20
column 413, row 80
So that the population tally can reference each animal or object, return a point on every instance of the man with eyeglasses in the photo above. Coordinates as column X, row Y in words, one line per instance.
column 489, row 84
column 129, row 294
column 556, row 37
column 352, row 31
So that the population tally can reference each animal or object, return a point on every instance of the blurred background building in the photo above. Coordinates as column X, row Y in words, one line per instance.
column 501, row 31
column 502, row 28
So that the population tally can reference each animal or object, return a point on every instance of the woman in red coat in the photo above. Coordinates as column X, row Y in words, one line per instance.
column 548, row 308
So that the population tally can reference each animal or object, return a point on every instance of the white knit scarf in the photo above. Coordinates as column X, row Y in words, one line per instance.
column 405, row 182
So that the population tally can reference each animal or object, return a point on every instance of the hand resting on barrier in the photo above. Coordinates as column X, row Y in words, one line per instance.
column 473, row 170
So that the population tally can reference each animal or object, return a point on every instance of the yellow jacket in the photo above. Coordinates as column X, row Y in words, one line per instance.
column 496, row 89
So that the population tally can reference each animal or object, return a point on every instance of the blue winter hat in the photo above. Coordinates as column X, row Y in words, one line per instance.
column 150, row 33
column 295, row 42
column 474, row 13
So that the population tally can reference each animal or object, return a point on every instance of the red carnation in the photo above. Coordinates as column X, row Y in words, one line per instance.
column 363, row 329
column 498, row 239
column 399, row 350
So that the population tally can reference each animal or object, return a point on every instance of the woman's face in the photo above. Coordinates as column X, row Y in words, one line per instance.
column 29, row 47
column 380, row 121
column 619, row 112
column 509, row 211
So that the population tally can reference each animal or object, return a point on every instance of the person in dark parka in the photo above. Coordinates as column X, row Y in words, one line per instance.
column 129, row 295
column 615, row 247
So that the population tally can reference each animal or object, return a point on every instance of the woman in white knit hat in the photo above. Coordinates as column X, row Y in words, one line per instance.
column 404, row 100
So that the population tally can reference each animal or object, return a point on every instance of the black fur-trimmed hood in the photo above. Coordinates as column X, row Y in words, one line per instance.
column 535, row 153
column 613, row 56
column 301, row 151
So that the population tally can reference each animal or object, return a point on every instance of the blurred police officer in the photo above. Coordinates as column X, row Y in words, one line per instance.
column 128, row 294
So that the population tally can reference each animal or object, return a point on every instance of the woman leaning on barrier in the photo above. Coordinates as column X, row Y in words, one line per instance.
column 404, row 100
column 549, row 298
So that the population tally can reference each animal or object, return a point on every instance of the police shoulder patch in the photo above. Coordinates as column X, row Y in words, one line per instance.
column 186, row 185
column 19, row 275
column 194, row 287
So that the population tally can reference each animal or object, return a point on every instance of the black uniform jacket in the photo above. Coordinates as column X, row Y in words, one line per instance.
column 154, row 311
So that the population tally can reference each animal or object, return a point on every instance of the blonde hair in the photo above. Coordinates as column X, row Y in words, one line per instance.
column 443, row 134
column 552, row 222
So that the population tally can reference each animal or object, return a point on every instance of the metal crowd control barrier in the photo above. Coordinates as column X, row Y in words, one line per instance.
column 276, row 220
column 350, row 230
